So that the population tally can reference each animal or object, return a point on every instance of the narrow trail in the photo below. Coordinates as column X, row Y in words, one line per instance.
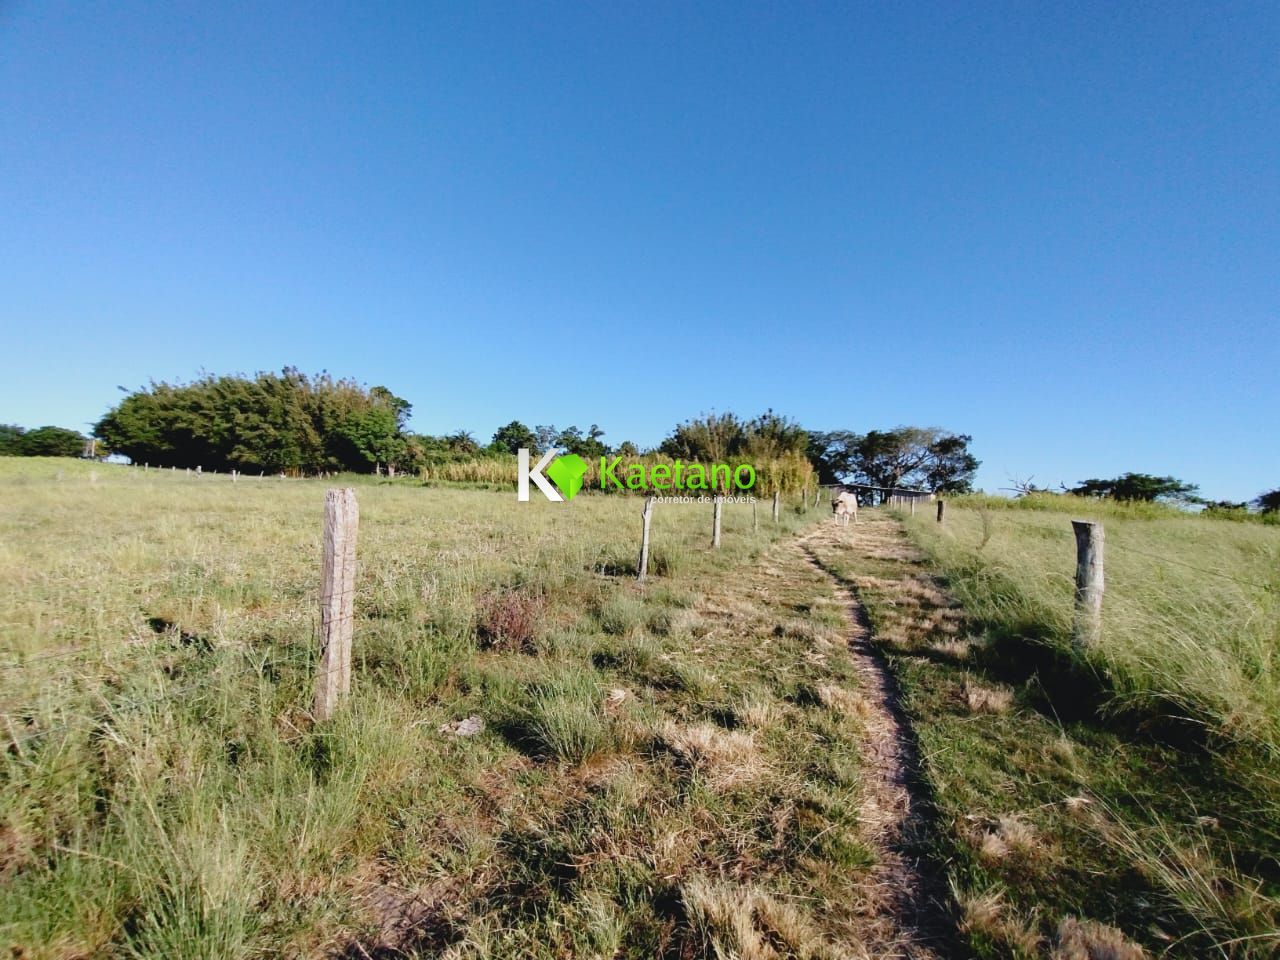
column 909, row 898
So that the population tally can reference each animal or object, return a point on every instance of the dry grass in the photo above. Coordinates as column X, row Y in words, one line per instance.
column 731, row 921
column 723, row 758
column 164, row 792
column 983, row 699
column 1089, row 940
column 846, row 701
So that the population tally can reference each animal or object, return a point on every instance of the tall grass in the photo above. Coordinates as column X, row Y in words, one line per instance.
column 1191, row 617
column 163, row 789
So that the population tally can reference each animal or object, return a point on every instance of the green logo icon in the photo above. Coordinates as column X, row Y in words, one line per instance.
column 567, row 473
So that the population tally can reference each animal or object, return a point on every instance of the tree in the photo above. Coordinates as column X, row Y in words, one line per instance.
column 547, row 435
column 51, row 442
column 771, row 436
column 282, row 421
column 400, row 407
column 709, row 438
column 927, row 457
column 834, row 454
column 588, row 446
column 1137, row 486
column 1268, row 502
column 514, row 436
column 951, row 466
column 11, row 440
column 627, row 449
column 464, row 442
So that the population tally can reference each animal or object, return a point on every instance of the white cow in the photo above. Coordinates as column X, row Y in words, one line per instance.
column 845, row 505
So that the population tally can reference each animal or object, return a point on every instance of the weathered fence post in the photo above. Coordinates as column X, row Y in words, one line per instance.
column 804, row 499
column 715, row 520
column 777, row 495
column 642, row 568
column 755, row 517
column 942, row 505
column 1090, row 585
column 913, row 505
column 817, row 497
column 337, row 596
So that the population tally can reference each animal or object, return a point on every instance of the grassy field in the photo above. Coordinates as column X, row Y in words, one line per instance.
column 675, row 769
column 664, row 770
column 1137, row 784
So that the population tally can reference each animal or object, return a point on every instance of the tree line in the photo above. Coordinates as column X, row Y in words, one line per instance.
column 293, row 423
column 290, row 422
column 41, row 442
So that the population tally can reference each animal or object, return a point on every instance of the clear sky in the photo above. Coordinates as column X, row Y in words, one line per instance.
column 1053, row 226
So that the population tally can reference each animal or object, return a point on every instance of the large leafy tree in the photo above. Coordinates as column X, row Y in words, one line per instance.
column 709, row 438
column 834, row 454
column 514, row 436
column 587, row 445
column 11, row 440
column 771, row 436
column 1268, row 502
column 1137, row 486
column 937, row 460
column 274, row 421
column 51, row 442
column 916, row 456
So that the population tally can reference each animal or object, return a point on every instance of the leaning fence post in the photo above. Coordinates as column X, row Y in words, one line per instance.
column 1087, row 629
column 942, row 505
column 715, row 521
column 337, row 595
column 642, row 568
column 777, row 494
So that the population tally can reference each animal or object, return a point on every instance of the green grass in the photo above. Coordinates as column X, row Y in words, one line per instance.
column 1134, row 786
column 1191, row 618
column 164, row 791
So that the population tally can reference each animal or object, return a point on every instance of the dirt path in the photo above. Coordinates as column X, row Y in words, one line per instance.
column 908, row 899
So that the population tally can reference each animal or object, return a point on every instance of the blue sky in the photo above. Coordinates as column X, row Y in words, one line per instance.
column 1055, row 227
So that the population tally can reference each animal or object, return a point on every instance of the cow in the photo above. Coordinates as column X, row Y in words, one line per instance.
column 844, row 505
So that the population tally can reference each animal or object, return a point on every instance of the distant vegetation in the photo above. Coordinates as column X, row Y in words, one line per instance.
column 1138, row 486
column 292, row 423
column 922, row 457
column 41, row 442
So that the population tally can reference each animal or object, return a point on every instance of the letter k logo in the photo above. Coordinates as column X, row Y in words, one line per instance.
column 567, row 472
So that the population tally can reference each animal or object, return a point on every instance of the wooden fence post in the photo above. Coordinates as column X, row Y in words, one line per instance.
column 755, row 517
column 777, row 495
column 804, row 499
column 715, row 521
column 642, row 568
column 1090, row 584
column 942, row 505
column 817, row 497
column 337, row 596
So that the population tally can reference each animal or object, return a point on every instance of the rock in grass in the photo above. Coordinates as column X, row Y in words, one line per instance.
column 464, row 728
